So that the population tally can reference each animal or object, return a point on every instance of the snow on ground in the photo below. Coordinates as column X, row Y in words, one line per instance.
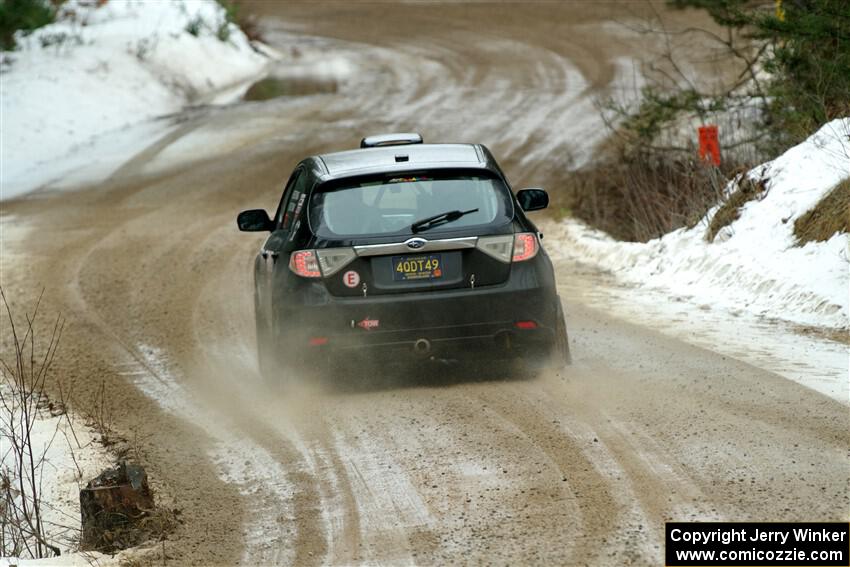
column 70, row 560
column 72, row 457
column 308, row 58
column 813, row 361
column 112, row 70
column 753, row 265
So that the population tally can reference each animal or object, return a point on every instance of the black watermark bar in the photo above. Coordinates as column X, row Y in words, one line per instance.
column 762, row 544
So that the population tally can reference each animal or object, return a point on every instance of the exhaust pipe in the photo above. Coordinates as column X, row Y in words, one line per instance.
column 422, row 346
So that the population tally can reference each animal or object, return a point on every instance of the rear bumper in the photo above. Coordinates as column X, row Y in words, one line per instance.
column 460, row 323
column 499, row 339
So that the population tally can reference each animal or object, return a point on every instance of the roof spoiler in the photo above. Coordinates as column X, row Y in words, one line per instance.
column 391, row 140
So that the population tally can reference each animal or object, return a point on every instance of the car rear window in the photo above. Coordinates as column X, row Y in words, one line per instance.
column 389, row 205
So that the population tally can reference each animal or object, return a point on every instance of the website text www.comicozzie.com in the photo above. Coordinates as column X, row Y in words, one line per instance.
column 726, row 543
column 779, row 555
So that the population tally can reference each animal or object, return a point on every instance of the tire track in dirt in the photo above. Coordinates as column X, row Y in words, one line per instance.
column 314, row 472
column 652, row 477
column 249, row 435
column 600, row 509
column 140, row 336
column 94, row 352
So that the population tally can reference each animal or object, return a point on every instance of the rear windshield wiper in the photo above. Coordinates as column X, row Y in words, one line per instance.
column 437, row 220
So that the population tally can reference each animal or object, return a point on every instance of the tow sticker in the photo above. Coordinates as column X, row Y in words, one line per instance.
column 369, row 324
column 351, row 278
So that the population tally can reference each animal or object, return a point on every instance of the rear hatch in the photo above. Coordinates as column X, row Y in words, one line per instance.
column 412, row 232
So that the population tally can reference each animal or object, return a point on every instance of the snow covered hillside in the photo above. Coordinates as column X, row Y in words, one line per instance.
column 753, row 264
column 110, row 69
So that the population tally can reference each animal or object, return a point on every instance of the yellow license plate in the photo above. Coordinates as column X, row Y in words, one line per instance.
column 420, row 267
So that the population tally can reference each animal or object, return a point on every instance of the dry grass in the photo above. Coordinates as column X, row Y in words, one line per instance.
column 154, row 526
column 830, row 215
column 747, row 190
column 641, row 197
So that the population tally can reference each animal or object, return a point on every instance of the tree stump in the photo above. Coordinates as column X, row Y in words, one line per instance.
column 112, row 504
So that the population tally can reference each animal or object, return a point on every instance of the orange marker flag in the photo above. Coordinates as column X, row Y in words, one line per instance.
column 709, row 144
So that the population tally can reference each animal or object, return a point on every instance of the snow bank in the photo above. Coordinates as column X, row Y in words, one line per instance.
column 753, row 264
column 72, row 457
column 106, row 69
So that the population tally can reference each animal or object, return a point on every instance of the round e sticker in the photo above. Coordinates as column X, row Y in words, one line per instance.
column 351, row 278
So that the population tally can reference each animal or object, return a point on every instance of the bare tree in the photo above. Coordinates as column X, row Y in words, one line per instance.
column 22, row 527
column 675, row 96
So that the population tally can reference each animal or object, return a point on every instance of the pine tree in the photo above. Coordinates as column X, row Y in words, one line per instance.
column 807, row 57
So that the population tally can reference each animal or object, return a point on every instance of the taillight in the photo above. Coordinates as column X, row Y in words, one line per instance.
column 332, row 260
column 305, row 263
column 499, row 247
column 510, row 247
column 319, row 263
column 525, row 246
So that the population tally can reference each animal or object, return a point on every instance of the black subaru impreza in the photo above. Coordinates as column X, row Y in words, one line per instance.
column 404, row 252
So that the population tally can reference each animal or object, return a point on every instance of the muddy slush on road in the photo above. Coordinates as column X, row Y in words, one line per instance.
column 580, row 468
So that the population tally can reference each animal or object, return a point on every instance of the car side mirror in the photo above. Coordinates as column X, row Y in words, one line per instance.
column 254, row 220
column 533, row 199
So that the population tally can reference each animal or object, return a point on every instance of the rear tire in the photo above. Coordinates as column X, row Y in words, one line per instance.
column 558, row 357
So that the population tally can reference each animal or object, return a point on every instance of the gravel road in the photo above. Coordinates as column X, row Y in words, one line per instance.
column 470, row 467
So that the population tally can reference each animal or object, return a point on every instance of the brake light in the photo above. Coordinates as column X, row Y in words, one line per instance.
column 525, row 325
column 525, row 246
column 305, row 264
column 318, row 341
